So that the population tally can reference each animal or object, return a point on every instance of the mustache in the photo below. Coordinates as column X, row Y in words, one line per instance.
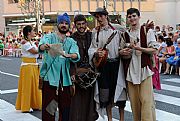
column 63, row 31
column 63, row 27
column 82, row 28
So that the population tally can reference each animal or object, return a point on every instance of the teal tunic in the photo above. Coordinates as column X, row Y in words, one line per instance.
column 60, row 64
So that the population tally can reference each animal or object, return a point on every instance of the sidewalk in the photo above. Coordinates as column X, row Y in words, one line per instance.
column 9, row 113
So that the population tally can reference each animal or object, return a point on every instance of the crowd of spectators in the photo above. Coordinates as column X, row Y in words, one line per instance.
column 169, row 49
column 167, row 36
column 10, row 45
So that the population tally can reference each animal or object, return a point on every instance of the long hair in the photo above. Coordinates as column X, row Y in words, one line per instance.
column 26, row 30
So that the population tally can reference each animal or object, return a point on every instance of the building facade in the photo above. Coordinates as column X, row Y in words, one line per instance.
column 16, row 16
column 2, row 20
column 167, row 12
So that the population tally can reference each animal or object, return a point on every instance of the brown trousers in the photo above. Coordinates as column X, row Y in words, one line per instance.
column 63, row 98
column 142, row 100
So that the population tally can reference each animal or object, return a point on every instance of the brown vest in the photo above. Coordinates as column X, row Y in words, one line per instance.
column 126, row 61
column 145, row 58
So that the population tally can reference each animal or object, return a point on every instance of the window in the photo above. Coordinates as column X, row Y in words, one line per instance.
column 16, row 1
column 13, row 1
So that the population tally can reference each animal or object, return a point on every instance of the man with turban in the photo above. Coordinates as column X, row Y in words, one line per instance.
column 55, row 71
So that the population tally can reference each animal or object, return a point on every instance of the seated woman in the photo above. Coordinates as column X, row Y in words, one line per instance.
column 161, row 50
column 170, row 54
column 176, row 60
column 178, row 65
column 162, row 46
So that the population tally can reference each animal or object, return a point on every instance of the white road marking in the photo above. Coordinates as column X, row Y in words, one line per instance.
column 160, row 114
column 167, row 99
column 163, row 115
column 9, row 74
column 5, row 59
column 105, row 119
column 166, row 116
column 9, row 113
column 170, row 88
column 176, row 80
column 8, row 91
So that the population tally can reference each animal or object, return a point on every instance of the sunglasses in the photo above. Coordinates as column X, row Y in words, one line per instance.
column 132, row 16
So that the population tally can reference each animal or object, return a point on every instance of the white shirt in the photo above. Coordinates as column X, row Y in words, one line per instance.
column 104, row 34
column 27, row 46
column 135, row 73
column 112, row 47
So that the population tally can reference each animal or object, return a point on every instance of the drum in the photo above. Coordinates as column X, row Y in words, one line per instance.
column 86, row 77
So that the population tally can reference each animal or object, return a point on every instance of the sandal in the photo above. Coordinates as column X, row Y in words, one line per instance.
column 166, row 73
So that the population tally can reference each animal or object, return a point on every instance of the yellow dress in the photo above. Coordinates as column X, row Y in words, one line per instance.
column 29, row 95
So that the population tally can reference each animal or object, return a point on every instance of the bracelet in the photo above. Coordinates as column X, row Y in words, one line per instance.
column 142, row 49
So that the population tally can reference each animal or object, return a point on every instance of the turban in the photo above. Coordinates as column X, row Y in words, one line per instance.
column 64, row 17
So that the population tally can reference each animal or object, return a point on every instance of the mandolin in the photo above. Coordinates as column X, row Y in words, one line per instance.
column 101, row 61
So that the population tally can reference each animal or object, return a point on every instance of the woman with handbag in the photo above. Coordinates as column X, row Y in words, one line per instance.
column 29, row 96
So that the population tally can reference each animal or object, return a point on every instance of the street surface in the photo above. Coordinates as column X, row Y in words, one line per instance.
column 167, row 99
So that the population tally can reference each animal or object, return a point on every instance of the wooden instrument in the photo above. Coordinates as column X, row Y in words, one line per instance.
column 101, row 61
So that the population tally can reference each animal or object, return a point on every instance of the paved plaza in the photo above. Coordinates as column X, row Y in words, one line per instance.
column 167, row 99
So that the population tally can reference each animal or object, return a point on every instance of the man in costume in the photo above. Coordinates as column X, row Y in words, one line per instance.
column 82, row 104
column 138, row 68
column 55, row 71
column 110, row 86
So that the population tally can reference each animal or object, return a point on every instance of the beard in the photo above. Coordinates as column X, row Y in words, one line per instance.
column 63, row 31
column 80, row 30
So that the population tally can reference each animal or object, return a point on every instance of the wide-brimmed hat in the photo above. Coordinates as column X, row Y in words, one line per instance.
column 99, row 10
